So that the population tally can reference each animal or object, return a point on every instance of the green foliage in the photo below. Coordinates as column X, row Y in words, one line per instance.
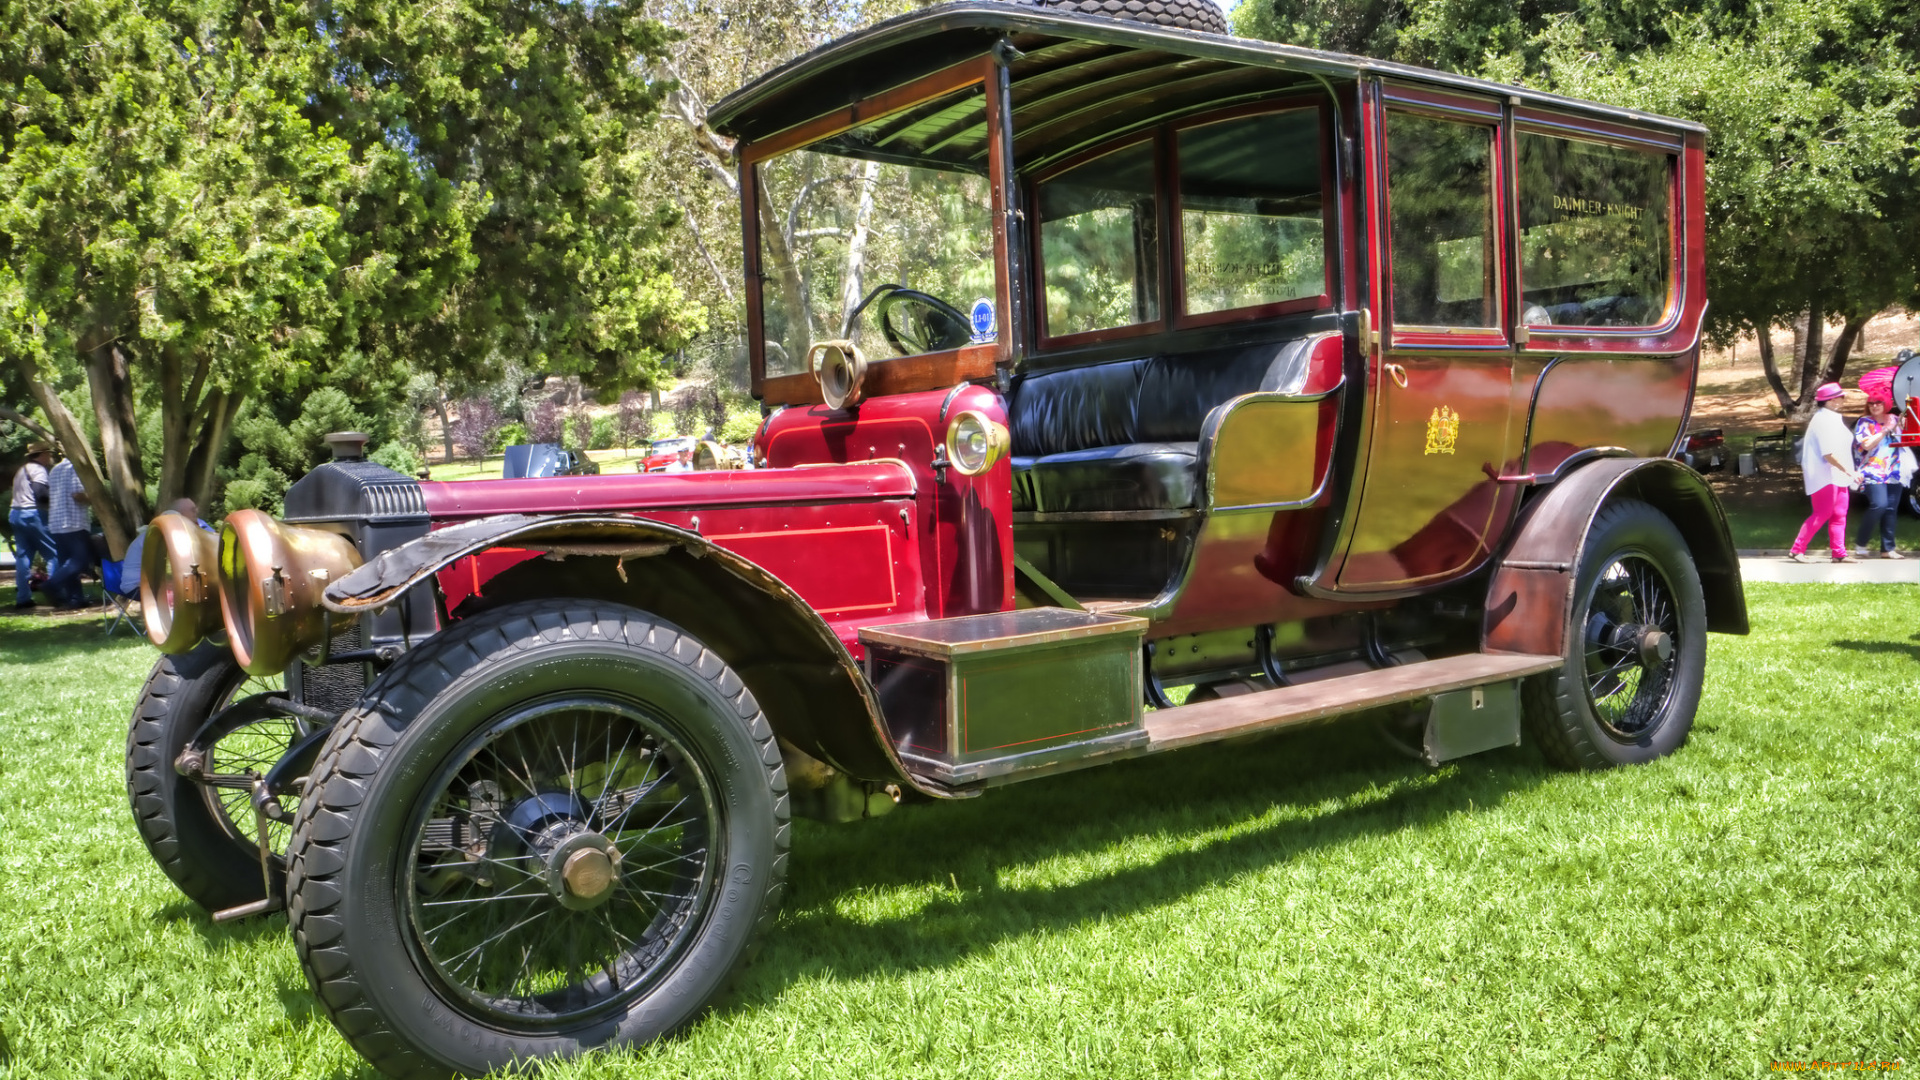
column 399, row 457
column 741, row 424
column 603, row 434
column 255, row 484
column 513, row 434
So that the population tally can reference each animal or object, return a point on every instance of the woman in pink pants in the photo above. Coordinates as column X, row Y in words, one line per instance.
column 1826, row 457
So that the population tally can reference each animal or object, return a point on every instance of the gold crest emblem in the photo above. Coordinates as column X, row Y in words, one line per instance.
column 1443, row 429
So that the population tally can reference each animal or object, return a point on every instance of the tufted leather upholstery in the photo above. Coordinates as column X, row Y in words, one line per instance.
column 1124, row 435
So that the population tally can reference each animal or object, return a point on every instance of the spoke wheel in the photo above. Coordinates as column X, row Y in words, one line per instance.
column 1636, row 647
column 562, row 861
column 1632, row 622
column 555, row 826
column 202, row 835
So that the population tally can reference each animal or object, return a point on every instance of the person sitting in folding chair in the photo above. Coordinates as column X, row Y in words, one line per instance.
column 120, row 582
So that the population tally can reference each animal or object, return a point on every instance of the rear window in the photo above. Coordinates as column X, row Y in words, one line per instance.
column 1252, row 225
column 1596, row 245
column 1440, row 190
column 1100, row 243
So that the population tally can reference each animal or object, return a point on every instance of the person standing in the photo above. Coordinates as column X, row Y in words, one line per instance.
column 72, row 540
column 27, row 515
column 1880, row 472
column 1826, row 459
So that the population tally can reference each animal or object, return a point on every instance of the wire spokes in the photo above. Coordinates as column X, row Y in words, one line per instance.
column 563, row 857
column 1632, row 634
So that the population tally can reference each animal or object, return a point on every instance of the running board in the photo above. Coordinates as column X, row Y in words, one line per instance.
column 1287, row 706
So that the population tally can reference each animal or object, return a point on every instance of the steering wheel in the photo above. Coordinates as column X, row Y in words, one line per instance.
column 925, row 323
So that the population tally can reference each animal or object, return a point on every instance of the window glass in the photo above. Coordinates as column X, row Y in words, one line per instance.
column 1250, row 212
column 1100, row 243
column 1440, row 209
column 871, row 207
column 1595, row 243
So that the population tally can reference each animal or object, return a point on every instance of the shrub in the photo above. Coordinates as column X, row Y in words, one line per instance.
column 475, row 427
column 543, row 422
column 514, row 434
column 399, row 457
column 740, row 426
column 602, row 434
column 634, row 419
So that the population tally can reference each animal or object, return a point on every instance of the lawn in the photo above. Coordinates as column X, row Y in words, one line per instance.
column 1309, row 905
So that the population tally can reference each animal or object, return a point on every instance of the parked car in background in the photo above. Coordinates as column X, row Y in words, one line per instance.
column 663, row 451
column 1705, row 450
column 533, row 460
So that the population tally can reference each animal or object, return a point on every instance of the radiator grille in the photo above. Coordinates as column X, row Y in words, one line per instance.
column 337, row 686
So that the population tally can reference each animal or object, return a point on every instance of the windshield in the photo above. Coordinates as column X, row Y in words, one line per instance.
column 882, row 234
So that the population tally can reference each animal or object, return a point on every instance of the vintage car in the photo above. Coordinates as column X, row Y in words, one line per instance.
column 533, row 460
column 663, row 452
column 1127, row 388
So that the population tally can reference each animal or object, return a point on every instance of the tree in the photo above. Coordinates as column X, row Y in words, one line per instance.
column 205, row 199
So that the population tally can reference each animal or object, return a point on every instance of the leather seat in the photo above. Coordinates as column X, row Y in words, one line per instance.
column 1124, row 436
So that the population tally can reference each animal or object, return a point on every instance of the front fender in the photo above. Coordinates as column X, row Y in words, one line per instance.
column 809, row 686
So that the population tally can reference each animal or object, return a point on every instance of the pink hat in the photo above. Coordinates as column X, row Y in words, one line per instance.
column 1828, row 391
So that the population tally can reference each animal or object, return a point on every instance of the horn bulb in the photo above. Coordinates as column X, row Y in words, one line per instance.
column 179, row 583
column 271, row 578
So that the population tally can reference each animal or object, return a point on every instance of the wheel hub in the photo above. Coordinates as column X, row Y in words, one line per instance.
column 1655, row 646
column 582, row 870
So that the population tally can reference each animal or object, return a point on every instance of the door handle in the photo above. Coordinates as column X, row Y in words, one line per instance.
column 1397, row 373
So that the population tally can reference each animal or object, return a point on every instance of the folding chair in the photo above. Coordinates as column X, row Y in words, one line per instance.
column 121, row 595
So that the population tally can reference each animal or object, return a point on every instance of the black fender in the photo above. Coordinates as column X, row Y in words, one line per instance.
column 1530, row 596
column 809, row 686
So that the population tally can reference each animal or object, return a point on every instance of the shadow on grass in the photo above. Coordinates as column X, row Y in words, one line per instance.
column 223, row 935
column 1223, row 811
column 33, row 639
column 1911, row 652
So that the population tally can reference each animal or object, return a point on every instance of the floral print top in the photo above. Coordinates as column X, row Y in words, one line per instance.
column 1883, row 465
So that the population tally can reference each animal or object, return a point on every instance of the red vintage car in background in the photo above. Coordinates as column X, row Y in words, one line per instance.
column 1101, row 359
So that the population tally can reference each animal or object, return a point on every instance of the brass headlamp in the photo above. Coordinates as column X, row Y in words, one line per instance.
column 179, row 583
column 271, row 578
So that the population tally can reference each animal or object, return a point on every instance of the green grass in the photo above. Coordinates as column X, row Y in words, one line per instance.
column 1309, row 905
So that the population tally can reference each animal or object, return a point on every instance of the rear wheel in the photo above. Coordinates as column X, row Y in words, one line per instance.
column 203, row 834
column 1636, row 647
column 557, row 826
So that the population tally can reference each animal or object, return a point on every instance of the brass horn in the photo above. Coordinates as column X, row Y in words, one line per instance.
column 179, row 583
column 271, row 578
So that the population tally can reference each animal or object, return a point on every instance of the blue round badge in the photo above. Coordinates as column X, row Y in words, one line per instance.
column 984, row 327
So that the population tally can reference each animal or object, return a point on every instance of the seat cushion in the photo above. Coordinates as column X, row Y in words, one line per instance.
column 1054, row 412
column 1137, row 476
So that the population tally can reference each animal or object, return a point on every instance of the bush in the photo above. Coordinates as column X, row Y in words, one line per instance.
column 256, row 485
column 514, row 434
column 399, row 457
column 741, row 424
column 603, row 434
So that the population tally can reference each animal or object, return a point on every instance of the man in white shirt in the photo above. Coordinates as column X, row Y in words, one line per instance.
column 30, row 536
column 682, row 461
column 1826, row 458
column 72, row 539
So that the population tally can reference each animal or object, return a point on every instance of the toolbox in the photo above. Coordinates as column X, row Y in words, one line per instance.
column 984, row 696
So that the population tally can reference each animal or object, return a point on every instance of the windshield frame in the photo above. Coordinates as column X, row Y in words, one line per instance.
column 892, row 374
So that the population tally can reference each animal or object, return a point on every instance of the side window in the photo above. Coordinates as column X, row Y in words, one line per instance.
column 1596, row 244
column 1100, row 243
column 1440, row 211
column 1251, row 225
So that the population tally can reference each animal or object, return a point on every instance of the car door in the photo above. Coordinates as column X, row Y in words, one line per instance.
column 1441, row 365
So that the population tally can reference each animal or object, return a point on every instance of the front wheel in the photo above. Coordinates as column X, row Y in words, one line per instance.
column 560, row 825
column 1636, row 647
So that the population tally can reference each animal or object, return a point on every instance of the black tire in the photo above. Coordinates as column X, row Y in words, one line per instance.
column 1202, row 15
column 202, row 837
column 413, row 803
column 1615, row 702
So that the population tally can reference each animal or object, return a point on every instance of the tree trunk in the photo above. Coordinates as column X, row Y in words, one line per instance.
column 209, row 446
column 111, row 386
column 856, row 272
column 446, row 426
column 27, row 422
column 1770, row 366
column 118, row 527
column 1843, row 346
column 1809, row 357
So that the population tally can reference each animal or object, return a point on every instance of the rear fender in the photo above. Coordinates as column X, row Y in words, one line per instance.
column 1530, row 598
column 810, row 687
